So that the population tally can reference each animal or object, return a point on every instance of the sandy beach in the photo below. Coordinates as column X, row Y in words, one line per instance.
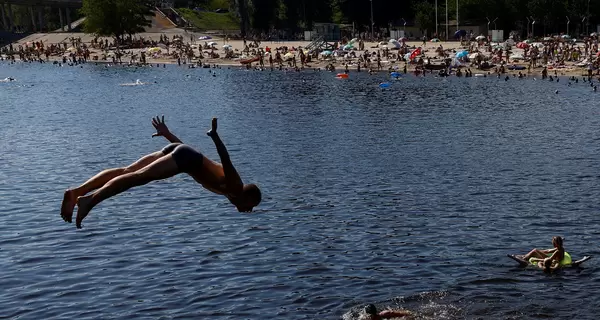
column 169, row 55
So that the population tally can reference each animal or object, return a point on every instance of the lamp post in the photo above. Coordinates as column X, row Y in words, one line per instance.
column 532, row 27
column 372, row 22
column 582, row 21
column 568, row 21
column 488, row 26
column 404, row 27
column 587, row 25
column 457, row 15
column 494, row 22
column 528, row 21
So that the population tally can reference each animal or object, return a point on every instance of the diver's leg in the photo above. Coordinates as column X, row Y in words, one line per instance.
column 162, row 168
column 70, row 196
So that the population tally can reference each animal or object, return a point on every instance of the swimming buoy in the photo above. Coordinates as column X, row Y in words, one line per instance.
column 342, row 75
column 564, row 262
column 395, row 74
column 384, row 85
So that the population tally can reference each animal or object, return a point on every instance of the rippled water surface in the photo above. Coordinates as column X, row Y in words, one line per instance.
column 407, row 197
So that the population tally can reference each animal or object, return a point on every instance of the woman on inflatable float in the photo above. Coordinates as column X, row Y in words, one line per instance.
column 547, row 259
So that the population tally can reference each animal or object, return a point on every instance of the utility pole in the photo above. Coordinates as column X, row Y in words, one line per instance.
column 528, row 21
column 436, row 20
column 568, row 21
column 446, row 20
column 532, row 27
column 372, row 22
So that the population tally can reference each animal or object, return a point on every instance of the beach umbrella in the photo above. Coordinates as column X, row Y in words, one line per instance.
column 522, row 45
column 394, row 43
column 480, row 38
column 435, row 40
column 528, row 41
column 474, row 55
column 462, row 54
column 348, row 47
column 227, row 46
column 212, row 43
column 565, row 36
column 460, row 33
column 153, row 50
column 326, row 53
column 593, row 34
column 353, row 40
column 205, row 38
column 288, row 56
column 547, row 39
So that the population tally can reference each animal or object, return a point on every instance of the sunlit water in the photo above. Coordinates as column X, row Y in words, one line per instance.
column 409, row 197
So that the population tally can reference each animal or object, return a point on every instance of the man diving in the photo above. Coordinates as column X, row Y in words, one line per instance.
column 175, row 158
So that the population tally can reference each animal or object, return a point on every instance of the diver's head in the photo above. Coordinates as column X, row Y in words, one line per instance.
column 249, row 199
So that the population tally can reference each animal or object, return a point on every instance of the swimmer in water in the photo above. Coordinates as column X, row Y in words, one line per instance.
column 372, row 314
column 220, row 178
column 556, row 254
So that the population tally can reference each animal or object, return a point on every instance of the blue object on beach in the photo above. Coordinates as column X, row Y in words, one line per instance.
column 462, row 54
column 384, row 85
column 460, row 33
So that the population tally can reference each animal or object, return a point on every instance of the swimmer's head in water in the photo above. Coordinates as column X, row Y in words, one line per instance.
column 250, row 198
column 370, row 309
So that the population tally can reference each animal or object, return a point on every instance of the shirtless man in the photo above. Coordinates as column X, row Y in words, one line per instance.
column 175, row 158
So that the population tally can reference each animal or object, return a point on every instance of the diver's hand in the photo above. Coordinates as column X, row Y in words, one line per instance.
column 161, row 128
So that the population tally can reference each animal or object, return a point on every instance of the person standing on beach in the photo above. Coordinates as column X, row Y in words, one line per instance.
column 220, row 178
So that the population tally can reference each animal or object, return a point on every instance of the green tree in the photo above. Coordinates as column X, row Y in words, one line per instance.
column 116, row 18
column 424, row 15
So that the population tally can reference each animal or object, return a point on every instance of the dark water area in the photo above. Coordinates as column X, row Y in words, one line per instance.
column 409, row 197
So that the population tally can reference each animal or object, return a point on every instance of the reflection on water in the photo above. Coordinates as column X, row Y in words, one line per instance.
column 409, row 197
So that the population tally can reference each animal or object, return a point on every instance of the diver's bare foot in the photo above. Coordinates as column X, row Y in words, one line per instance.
column 83, row 208
column 68, row 204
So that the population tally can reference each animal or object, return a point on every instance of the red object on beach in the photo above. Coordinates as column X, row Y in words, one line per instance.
column 415, row 53
column 522, row 45
column 250, row 60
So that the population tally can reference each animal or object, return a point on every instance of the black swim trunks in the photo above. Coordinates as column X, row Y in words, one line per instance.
column 187, row 158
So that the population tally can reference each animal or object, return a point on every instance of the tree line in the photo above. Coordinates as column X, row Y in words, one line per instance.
column 546, row 16
column 542, row 17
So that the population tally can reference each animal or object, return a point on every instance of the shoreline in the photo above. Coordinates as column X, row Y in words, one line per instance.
column 237, row 46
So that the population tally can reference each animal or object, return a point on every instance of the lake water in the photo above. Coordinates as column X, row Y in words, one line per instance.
column 409, row 197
